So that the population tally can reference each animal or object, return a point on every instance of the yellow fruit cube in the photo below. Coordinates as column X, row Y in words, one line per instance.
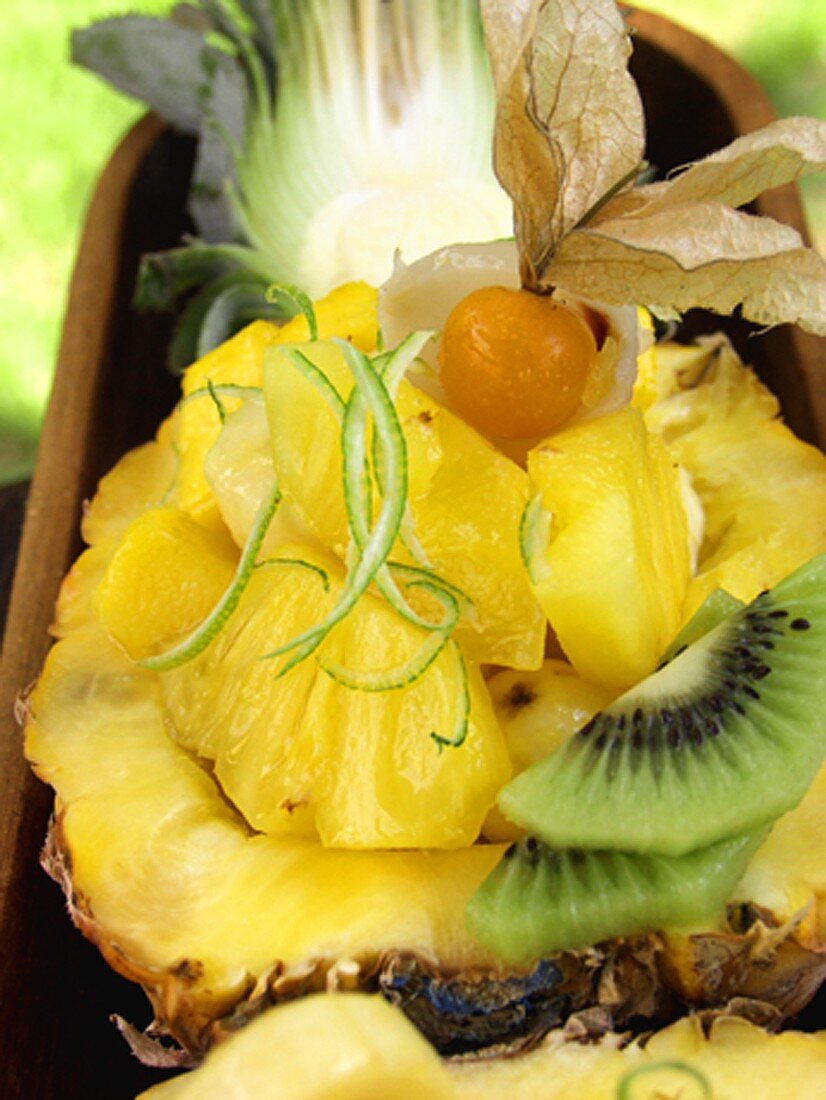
column 613, row 576
column 348, row 312
column 164, row 577
column 304, row 755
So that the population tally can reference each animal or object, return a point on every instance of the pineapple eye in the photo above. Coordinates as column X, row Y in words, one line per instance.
column 514, row 364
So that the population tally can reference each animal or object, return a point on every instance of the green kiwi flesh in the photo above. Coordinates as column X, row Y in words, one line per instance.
column 725, row 737
column 717, row 605
column 538, row 900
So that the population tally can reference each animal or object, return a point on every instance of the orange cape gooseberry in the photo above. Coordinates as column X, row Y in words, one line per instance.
column 513, row 363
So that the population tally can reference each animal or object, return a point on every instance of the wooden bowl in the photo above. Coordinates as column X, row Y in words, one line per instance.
column 110, row 392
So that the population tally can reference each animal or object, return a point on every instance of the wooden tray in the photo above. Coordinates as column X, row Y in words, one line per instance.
column 110, row 391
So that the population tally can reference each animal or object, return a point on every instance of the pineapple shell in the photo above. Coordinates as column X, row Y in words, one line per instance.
column 217, row 922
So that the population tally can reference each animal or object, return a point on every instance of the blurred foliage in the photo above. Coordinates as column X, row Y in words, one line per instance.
column 59, row 124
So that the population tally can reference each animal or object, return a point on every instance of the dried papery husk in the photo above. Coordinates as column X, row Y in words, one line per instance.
column 568, row 141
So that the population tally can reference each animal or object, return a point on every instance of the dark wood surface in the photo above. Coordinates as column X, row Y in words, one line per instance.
column 110, row 391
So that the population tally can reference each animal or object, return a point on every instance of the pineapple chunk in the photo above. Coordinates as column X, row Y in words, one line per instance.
column 324, row 1047
column 465, row 497
column 162, row 580
column 349, row 312
column 140, row 480
column 613, row 577
column 240, row 472
column 307, row 756
column 763, row 490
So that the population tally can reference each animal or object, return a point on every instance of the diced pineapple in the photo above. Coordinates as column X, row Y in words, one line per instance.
column 466, row 499
column 613, row 577
column 304, row 755
column 349, row 312
column 538, row 711
column 667, row 368
column 162, row 580
column 324, row 1047
column 763, row 490
column 240, row 472
column 140, row 480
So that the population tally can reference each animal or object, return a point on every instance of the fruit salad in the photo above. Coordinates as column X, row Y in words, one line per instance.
column 446, row 675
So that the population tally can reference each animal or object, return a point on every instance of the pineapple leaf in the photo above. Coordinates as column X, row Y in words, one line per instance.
column 221, row 136
column 169, row 67
column 219, row 312
column 259, row 13
column 162, row 276
column 239, row 301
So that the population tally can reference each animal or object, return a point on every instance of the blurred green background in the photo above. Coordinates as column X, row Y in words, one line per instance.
column 58, row 124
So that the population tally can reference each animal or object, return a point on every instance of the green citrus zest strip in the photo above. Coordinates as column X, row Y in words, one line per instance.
column 279, row 291
column 307, row 368
column 406, row 673
column 624, row 1088
column 382, row 537
column 200, row 638
column 219, row 404
column 407, row 532
column 460, row 727
column 534, row 527
column 358, row 487
column 216, row 392
column 322, row 573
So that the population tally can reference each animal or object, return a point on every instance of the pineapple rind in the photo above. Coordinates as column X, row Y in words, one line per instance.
column 169, row 873
column 95, row 730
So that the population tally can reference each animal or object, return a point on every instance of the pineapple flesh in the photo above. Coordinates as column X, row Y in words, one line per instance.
column 204, row 828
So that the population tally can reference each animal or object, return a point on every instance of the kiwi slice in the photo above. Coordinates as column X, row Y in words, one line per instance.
column 725, row 737
column 717, row 605
column 538, row 900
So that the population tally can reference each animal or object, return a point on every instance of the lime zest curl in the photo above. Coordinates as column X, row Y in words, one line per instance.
column 278, row 292
column 625, row 1085
column 198, row 640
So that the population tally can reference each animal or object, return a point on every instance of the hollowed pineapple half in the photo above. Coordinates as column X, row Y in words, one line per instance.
column 226, row 861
